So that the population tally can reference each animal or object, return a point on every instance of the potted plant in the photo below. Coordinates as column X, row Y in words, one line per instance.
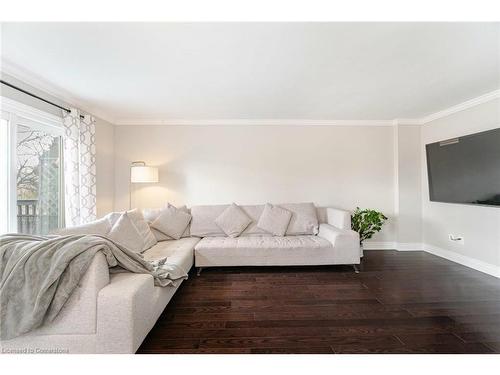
column 366, row 222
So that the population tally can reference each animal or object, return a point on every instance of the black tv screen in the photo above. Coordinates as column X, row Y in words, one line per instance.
column 465, row 169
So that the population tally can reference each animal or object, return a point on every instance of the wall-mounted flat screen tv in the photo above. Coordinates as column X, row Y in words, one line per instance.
column 465, row 169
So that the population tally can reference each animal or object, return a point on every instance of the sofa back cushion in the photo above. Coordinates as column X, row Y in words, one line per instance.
column 304, row 219
column 321, row 214
column 203, row 220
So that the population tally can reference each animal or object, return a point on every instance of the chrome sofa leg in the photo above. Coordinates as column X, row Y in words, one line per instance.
column 198, row 272
column 356, row 269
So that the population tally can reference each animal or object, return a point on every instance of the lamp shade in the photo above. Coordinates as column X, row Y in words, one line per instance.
column 143, row 174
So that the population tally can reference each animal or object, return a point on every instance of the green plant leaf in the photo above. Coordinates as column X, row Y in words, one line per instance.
column 367, row 222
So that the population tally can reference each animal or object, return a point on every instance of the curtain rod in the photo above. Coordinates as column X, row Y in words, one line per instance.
column 36, row 96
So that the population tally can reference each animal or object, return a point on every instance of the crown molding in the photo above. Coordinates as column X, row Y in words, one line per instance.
column 254, row 122
column 406, row 121
column 36, row 82
column 65, row 96
column 461, row 107
column 302, row 122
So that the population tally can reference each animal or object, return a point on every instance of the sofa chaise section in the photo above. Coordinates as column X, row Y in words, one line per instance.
column 108, row 313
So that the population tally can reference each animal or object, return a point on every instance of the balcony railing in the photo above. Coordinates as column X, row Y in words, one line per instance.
column 31, row 221
column 27, row 216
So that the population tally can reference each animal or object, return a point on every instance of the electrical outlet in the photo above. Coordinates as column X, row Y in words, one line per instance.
column 456, row 239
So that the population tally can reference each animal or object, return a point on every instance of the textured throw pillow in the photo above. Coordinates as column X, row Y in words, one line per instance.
column 304, row 219
column 151, row 214
column 172, row 222
column 140, row 223
column 126, row 234
column 274, row 219
column 233, row 220
column 143, row 228
column 99, row 227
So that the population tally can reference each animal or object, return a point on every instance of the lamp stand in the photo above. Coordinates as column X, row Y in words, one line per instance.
column 130, row 195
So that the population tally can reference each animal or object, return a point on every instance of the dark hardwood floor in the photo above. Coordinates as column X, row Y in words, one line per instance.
column 401, row 302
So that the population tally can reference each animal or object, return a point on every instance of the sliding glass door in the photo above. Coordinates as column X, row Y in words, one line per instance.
column 32, row 155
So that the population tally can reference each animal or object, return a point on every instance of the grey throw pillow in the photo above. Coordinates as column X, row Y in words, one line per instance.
column 274, row 219
column 172, row 222
column 233, row 220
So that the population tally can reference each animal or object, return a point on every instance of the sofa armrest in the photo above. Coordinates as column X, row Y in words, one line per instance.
column 345, row 242
column 338, row 218
column 121, row 310
column 336, row 235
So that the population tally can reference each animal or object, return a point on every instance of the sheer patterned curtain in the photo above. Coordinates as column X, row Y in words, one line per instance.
column 79, row 168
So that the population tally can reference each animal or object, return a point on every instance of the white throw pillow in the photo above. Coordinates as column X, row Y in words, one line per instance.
column 143, row 228
column 172, row 222
column 304, row 219
column 151, row 214
column 274, row 219
column 233, row 220
column 100, row 227
column 126, row 234
column 140, row 223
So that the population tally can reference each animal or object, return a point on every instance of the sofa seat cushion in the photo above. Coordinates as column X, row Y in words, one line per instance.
column 260, row 251
column 179, row 252
column 264, row 243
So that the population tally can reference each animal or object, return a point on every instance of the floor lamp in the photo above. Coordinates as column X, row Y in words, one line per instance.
column 140, row 173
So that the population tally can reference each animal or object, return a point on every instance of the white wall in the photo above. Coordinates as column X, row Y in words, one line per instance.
column 480, row 226
column 408, row 187
column 104, row 139
column 330, row 165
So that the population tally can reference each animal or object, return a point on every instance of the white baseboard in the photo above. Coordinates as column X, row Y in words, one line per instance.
column 372, row 245
column 400, row 246
column 409, row 246
column 478, row 265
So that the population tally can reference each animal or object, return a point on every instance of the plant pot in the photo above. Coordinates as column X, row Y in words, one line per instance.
column 361, row 250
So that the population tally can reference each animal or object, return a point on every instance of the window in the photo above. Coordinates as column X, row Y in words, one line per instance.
column 31, row 144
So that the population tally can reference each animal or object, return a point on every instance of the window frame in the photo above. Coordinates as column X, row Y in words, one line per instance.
column 16, row 114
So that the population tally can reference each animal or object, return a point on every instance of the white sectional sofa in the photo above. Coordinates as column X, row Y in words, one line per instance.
column 113, row 313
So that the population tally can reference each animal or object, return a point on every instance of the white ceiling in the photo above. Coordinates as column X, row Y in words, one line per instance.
column 317, row 71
